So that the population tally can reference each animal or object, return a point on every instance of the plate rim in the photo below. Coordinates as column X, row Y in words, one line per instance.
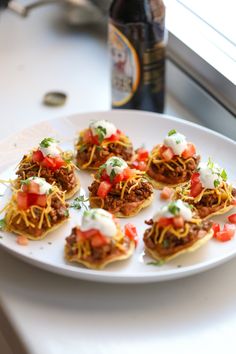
column 105, row 276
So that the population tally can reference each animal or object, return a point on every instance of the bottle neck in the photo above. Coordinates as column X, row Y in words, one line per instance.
column 131, row 11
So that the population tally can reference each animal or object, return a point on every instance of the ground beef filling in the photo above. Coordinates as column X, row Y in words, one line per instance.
column 207, row 204
column 98, row 254
column 161, row 173
column 64, row 178
column 102, row 154
column 172, row 244
column 58, row 213
column 131, row 201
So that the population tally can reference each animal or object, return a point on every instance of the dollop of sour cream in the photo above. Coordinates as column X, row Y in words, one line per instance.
column 49, row 147
column 108, row 128
column 44, row 187
column 176, row 141
column 210, row 174
column 177, row 208
column 100, row 220
column 115, row 164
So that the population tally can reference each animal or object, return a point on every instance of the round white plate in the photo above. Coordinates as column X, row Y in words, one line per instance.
column 144, row 129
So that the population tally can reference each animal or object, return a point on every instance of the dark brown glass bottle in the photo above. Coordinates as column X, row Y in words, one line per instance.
column 137, row 42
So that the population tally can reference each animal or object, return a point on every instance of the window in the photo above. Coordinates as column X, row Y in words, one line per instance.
column 202, row 40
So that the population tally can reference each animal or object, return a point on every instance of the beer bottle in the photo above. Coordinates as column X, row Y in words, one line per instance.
column 137, row 42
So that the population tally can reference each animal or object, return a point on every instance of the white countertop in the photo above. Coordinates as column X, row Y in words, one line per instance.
column 51, row 314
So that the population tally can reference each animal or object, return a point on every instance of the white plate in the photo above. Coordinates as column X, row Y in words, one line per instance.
column 143, row 128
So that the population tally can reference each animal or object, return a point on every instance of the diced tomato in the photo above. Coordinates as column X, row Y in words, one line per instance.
column 131, row 232
column 87, row 137
column 113, row 137
column 41, row 200
column 59, row 162
column 142, row 154
column 127, row 173
column 166, row 153
column 166, row 193
column 178, row 222
column 195, row 177
column 216, row 228
column 119, row 132
column 189, row 151
column 223, row 236
column 90, row 233
column 229, row 227
column 195, row 189
column 234, row 202
column 139, row 165
column 32, row 187
column 22, row 240
column 163, row 222
column 48, row 162
column 79, row 234
column 22, row 200
column 196, row 186
column 99, row 240
column 105, row 176
column 37, row 156
column 232, row 218
column 104, row 189
column 118, row 178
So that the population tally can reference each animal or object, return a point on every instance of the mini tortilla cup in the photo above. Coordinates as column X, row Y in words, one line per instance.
column 154, row 254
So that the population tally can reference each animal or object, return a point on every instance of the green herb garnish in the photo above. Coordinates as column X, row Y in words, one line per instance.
column 2, row 224
column 210, row 164
column 66, row 213
column 178, row 141
column 25, row 181
column 112, row 175
column 116, row 162
column 157, row 263
column 173, row 208
column 172, row 132
column 101, row 133
column 216, row 183
column 79, row 202
column 46, row 142
column 224, row 175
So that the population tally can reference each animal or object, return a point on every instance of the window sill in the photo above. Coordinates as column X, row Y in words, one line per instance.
column 203, row 53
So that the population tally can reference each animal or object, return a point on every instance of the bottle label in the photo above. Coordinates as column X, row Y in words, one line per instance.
column 125, row 67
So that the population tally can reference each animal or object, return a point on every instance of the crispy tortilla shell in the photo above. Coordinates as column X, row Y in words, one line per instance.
column 36, row 238
column 101, row 263
column 191, row 248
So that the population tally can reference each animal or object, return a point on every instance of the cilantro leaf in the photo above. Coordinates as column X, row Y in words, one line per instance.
column 112, row 175
column 210, row 164
column 46, row 142
column 173, row 208
column 2, row 224
column 116, row 162
column 157, row 263
column 216, row 183
column 79, row 202
column 172, row 132
column 224, row 175
column 101, row 133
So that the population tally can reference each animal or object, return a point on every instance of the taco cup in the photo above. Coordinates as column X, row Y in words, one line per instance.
column 119, row 189
column 98, row 241
column 50, row 162
column 35, row 209
column 173, row 162
column 175, row 230
column 208, row 191
column 99, row 142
